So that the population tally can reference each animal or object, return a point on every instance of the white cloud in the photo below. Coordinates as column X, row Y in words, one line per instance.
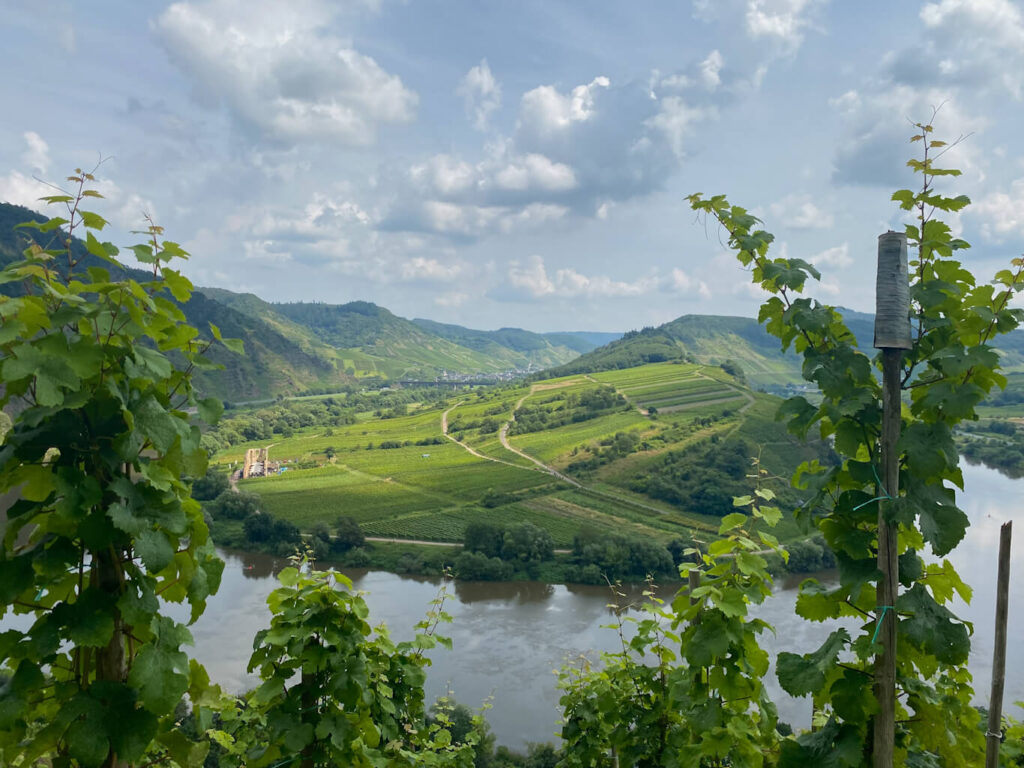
column 535, row 172
column 800, row 212
column 838, row 257
column 420, row 268
column 37, row 155
column 981, row 43
column 676, row 119
column 481, row 94
column 530, row 279
column 1001, row 213
column 681, row 282
column 876, row 149
column 22, row 189
column 451, row 299
column 710, row 70
column 279, row 72
column 545, row 110
column 781, row 21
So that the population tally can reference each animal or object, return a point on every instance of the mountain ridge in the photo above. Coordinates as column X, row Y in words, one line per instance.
column 300, row 347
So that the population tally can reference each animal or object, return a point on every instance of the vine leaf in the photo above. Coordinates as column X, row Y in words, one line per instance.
column 801, row 675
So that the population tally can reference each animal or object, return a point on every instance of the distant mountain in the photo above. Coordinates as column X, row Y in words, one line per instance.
column 714, row 339
column 298, row 347
column 525, row 349
column 272, row 363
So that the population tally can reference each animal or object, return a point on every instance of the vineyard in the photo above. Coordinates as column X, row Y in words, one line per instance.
column 401, row 477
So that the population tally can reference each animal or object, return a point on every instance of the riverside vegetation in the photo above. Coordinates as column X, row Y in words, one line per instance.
column 103, row 524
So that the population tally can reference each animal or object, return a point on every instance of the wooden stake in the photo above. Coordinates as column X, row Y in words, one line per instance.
column 888, row 565
column 892, row 336
column 995, row 701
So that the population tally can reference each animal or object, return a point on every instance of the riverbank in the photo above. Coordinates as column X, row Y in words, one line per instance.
column 436, row 559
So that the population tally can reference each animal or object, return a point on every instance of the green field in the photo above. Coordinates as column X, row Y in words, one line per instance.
column 432, row 491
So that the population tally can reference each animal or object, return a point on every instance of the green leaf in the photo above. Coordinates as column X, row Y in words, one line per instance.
column 156, row 423
column 93, row 220
column 160, row 671
column 235, row 345
column 731, row 521
column 932, row 627
column 179, row 285
column 88, row 620
column 154, row 549
column 801, row 675
column 210, row 410
column 87, row 741
column 15, row 577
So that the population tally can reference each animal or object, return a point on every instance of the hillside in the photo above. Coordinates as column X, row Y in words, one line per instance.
column 272, row 363
column 655, row 451
column 292, row 348
column 708, row 339
column 368, row 340
column 524, row 349
column 716, row 339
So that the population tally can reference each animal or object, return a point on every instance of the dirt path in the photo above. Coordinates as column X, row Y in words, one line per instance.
column 387, row 540
column 470, row 449
column 503, row 434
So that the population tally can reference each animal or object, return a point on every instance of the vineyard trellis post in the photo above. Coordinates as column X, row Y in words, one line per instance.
column 892, row 336
column 994, row 735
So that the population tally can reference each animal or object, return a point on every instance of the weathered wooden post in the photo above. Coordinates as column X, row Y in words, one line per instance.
column 892, row 336
column 995, row 701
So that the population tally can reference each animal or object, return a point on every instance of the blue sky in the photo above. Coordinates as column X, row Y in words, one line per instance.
column 515, row 163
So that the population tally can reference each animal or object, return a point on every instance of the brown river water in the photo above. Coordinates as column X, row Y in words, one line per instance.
column 509, row 637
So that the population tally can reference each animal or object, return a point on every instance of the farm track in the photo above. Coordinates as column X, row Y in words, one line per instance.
column 503, row 436
column 470, row 449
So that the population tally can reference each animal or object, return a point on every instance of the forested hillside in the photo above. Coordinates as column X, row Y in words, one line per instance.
column 295, row 348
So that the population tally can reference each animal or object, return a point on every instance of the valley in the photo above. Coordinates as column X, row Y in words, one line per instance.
column 573, row 456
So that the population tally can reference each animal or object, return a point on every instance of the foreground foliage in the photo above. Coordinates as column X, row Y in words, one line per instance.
column 99, row 372
column 948, row 372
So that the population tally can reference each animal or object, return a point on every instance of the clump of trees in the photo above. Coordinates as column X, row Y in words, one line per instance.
column 600, row 557
column 702, row 479
column 494, row 553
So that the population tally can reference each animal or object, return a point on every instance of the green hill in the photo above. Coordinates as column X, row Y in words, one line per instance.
column 293, row 348
column 523, row 349
column 708, row 339
column 716, row 339
column 272, row 362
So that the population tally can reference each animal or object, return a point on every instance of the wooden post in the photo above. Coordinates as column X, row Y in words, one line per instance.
column 995, row 701
column 892, row 336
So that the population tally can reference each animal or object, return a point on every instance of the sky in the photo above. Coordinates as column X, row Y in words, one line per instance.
column 516, row 163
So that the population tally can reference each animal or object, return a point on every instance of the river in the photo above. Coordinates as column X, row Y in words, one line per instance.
column 509, row 637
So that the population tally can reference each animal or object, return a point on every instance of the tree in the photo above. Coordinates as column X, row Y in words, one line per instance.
column 236, row 506
column 348, row 535
column 210, row 485
column 97, row 363
column 485, row 538
column 527, row 543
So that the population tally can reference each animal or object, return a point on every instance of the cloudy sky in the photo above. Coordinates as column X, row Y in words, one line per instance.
column 514, row 163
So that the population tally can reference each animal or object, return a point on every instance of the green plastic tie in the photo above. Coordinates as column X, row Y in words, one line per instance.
column 286, row 761
column 881, row 485
column 878, row 624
